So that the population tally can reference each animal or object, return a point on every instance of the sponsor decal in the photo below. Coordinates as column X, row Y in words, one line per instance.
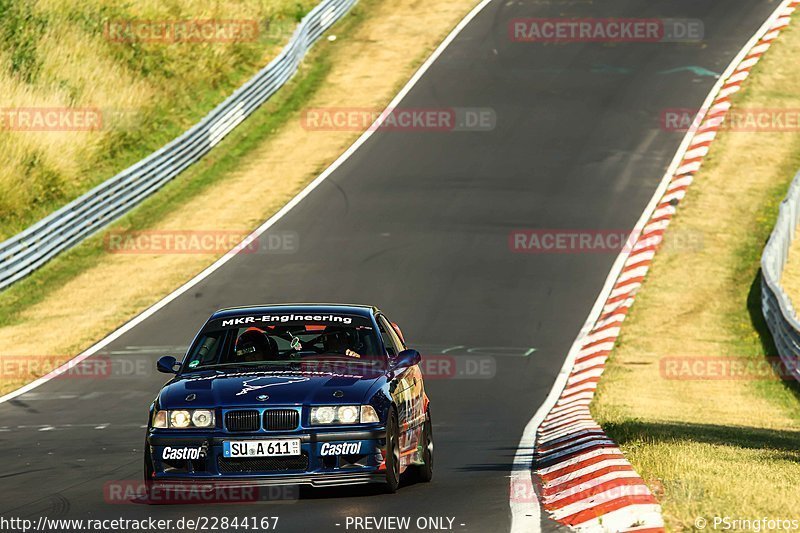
column 247, row 385
column 335, row 319
column 171, row 453
column 274, row 373
column 340, row 448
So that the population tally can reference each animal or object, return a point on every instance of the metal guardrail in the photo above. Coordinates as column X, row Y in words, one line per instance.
column 66, row 227
column 775, row 304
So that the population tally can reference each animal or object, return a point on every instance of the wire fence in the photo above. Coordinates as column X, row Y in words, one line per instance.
column 775, row 304
column 30, row 249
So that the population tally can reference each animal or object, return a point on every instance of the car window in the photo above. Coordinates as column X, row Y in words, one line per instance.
column 285, row 342
column 207, row 349
column 393, row 343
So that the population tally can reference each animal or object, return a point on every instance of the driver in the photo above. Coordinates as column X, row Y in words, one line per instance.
column 338, row 342
column 254, row 345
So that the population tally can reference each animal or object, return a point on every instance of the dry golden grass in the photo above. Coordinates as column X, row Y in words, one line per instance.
column 727, row 447
column 54, row 54
column 367, row 69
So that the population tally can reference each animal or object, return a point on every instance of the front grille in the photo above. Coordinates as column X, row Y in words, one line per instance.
column 281, row 419
column 248, row 465
column 242, row 420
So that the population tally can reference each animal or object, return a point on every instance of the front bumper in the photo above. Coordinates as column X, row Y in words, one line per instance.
column 316, row 466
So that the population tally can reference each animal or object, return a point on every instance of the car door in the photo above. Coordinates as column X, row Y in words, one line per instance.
column 408, row 393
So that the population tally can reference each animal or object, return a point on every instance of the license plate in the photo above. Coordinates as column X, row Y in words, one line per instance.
column 260, row 448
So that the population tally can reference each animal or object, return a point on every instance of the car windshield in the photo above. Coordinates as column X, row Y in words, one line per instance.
column 285, row 344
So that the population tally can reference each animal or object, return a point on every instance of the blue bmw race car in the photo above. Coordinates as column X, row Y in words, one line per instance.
column 292, row 394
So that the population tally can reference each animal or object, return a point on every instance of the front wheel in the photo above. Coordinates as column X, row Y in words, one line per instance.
column 425, row 470
column 392, row 454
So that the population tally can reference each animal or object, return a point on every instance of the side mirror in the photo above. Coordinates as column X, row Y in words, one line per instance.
column 406, row 358
column 168, row 365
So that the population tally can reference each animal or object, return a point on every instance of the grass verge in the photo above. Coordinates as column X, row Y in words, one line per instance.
column 143, row 92
column 715, row 446
column 87, row 292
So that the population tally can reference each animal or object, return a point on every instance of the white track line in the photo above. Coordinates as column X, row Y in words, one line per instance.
column 265, row 226
column 525, row 517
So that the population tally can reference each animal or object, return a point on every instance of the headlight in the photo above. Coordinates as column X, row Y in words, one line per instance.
column 368, row 414
column 160, row 419
column 348, row 414
column 343, row 414
column 323, row 415
column 184, row 418
column 179, row 419
column 203, row 418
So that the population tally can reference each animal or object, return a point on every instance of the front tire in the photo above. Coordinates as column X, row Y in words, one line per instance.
column 148, row 467
column 148, row 473
column 392, row 460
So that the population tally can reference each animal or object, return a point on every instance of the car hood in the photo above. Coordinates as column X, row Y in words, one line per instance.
column 234, row 389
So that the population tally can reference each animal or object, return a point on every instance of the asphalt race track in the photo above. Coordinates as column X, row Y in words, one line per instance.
column 417, row 223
